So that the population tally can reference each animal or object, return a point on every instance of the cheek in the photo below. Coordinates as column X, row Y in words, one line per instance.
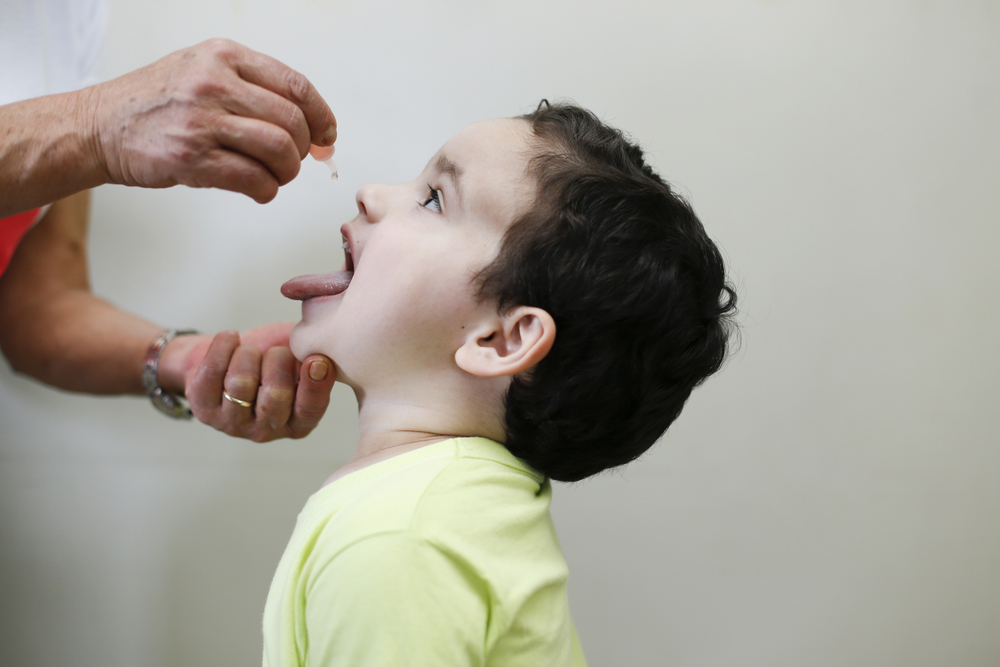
column 408, row 301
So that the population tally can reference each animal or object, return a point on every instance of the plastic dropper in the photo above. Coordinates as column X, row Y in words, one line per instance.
column 324, row 154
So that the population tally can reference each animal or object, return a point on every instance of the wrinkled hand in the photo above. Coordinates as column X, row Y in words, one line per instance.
column 215, row 115
column 288, row 399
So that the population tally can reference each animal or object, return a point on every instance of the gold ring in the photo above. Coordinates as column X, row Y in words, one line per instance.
column 245, row 404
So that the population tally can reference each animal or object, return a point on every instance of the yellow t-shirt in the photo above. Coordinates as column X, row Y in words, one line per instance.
column 445, row 555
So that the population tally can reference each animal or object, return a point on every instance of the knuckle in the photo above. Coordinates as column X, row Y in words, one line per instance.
column 308, row 418
column 312, row 413
column 277, row 395
column 220, row 46
column 200, row 413
column 291, row 115
column 292, row 124
column 202, row 85
column 276, row 140
column 209, row 369
column 189, row 153
column 261, row 435
column 285, row 173
column 194, row 384
column 254, row 181
column 199, row 180
column 298, row 87
column 198, row 407
column 264, row 191
column 238, row 178
column 186, row 154
column 243, row 385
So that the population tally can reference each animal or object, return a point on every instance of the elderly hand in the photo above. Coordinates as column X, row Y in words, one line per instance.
column 286, row 399
column 214, row 115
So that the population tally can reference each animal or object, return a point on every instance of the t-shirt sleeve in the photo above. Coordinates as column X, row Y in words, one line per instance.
column 395, row 599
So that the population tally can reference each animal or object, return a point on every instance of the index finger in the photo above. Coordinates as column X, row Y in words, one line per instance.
column 266, row 72
column 204, row 389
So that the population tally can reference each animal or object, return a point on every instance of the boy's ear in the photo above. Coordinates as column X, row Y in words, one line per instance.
column 508, row 344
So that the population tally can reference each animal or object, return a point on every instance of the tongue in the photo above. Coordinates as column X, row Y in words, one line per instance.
column 318, row 284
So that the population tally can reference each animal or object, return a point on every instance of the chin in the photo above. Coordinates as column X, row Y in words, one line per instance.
column 300, row 343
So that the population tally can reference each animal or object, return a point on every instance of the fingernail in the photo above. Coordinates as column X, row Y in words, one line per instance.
column 318, row 371
column 330, row 135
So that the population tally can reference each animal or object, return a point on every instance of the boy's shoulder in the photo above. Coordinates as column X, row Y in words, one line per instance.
column 450, row 540
column 466, row 501
column 465, row 490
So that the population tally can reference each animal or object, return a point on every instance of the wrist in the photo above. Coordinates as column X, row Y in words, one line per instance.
column 90, row 135
column 167, row 402
column 177, row 357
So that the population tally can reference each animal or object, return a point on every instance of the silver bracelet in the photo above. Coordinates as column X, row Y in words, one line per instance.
column 169, row 404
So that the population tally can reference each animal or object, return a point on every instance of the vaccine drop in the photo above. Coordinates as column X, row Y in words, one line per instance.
column 324, row 154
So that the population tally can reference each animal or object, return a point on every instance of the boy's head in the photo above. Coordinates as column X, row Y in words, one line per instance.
column 538, row 284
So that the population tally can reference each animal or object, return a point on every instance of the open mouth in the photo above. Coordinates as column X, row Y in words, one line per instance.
column 322, row 284
column 348, row 256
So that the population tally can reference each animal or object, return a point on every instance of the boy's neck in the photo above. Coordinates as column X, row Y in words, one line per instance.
column 402, row 418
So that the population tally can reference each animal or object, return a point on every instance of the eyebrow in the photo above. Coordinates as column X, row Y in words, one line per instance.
column 446, row 166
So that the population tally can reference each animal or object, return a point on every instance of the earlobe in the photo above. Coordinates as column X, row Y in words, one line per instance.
column 510, row 344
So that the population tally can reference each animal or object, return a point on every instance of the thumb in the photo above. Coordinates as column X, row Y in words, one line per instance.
column 318, row 369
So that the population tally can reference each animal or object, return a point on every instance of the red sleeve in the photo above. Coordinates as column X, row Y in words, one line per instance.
column 12, row 230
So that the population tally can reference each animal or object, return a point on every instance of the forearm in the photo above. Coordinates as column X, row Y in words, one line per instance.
column 76, row 341
column 54, row 329
column 49, row 149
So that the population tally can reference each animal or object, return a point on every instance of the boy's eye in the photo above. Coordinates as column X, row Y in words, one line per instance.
column 433, row 201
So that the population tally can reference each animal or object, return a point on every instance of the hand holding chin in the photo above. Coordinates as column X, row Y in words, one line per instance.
column 270, row 395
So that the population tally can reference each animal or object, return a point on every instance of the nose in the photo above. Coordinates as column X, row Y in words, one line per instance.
column 373, row 201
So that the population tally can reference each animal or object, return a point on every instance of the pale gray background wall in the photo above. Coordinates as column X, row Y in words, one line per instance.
column 830, row 499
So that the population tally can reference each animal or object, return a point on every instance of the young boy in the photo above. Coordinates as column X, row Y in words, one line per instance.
column 537, row 305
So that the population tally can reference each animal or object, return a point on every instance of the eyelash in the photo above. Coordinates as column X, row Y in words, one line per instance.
column 432, row 196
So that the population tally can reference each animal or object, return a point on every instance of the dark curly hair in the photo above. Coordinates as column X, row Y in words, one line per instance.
column 638, row 292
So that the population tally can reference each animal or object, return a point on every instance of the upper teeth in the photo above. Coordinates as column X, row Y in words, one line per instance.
column 347, row 247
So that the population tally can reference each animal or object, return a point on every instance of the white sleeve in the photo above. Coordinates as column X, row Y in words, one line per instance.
column 49, row 46
column 90, row 25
